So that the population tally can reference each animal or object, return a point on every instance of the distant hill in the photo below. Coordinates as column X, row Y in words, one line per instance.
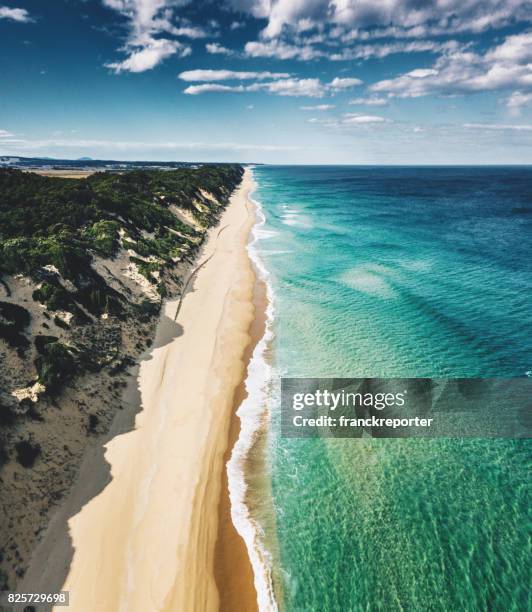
column 88, row 162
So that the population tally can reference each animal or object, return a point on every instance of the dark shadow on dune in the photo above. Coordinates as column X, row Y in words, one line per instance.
column 53, row 555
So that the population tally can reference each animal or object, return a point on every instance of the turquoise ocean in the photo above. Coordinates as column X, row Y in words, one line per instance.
column 389, row 271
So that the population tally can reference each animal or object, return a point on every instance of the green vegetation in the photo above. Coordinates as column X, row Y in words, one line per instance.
column 48, row 221
column 55, row 366
column 52, row 230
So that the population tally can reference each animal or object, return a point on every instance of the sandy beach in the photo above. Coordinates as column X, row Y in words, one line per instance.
column 147, row 541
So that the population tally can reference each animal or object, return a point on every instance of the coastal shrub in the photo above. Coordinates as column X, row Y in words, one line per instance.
column 55, row 221
column 37, row 206
column 54, row 297
column 27, row 453
column 147, row 309
column 147, row 267
column 103, row 236
column 98, row 298
column 41, row 342
column 55, row 367
column 60, row 323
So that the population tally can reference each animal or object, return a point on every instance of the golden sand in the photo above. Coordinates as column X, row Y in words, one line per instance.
column 147, row 542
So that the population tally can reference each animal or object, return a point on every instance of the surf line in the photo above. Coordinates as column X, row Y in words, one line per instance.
column 194, row 272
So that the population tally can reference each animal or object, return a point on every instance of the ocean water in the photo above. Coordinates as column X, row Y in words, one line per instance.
column 396, row 272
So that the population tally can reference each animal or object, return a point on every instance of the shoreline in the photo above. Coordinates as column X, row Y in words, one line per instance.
column 253, row 418
column 233, row 570
column 147, row 539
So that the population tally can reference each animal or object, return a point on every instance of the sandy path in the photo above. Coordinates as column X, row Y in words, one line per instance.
column 146, row 542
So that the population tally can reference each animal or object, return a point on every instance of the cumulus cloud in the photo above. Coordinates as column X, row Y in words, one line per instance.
column 344, row 83
column 418, row 19
column 517, row 100
column 227, row 75
column 147, row 55
column 369, row 101
column 282, row 50
column 151, row 22
column 15, row 14
column 217, row 49
column 312, row 88
column 507, row 65
column 305, row 51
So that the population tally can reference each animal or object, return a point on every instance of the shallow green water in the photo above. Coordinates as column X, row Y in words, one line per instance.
column 399, row 272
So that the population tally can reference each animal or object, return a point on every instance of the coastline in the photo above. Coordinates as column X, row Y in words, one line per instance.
column 246, row 467
column 147, row 540
column 233, row 571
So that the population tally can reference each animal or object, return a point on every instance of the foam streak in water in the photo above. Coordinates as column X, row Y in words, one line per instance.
column 252, row 413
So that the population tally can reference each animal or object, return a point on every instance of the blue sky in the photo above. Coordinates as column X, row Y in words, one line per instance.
column 275, row 81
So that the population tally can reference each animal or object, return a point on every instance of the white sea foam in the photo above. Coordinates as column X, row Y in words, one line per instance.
column 252, row 413
column 297, row 219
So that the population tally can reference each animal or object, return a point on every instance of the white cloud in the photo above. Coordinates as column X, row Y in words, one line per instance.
column 368, row 51
column 217, row 49
column 281, row 86
column 281, row 50
column 498, row 127
column 518, row 99
column 226, row 75
column 347, row 120
column 417, row 19
column 305, row 51
column 318, row 107
column 517, row 48
column 422, row 73
column 193, row 32
column 312, row 88
column 507, row 65
column 147, row 20
column 359, row 119
column 15, row 14
column 195, row 90
column 370, row 101
column 344, row 83
column 148, row 55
